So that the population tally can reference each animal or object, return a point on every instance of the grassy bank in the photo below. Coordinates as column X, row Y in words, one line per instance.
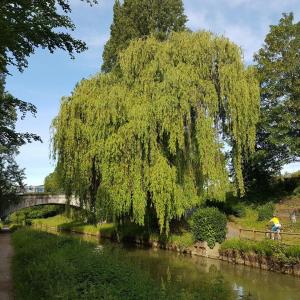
column 256, row 216
column 126, row 232
column 47, row 266
column 274, row 250
column 250, row 220
column 64, row 223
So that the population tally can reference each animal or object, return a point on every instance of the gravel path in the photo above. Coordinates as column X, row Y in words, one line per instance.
column 6, row 251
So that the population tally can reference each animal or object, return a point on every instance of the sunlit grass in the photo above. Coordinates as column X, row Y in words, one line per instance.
column 47, row 266
column 186, row 239
column 250, row 220
column 66, row 223
column 53, row 221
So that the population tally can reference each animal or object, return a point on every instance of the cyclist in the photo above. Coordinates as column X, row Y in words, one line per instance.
column 276, row 226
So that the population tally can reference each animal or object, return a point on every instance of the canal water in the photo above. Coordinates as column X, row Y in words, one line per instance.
column 186, row 275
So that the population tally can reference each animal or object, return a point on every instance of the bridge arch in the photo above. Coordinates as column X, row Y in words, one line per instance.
column 35, row 200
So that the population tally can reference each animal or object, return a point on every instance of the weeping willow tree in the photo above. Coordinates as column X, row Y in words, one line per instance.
column 154, row 135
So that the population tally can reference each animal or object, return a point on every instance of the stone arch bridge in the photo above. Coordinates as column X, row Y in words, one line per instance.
column 38, row 199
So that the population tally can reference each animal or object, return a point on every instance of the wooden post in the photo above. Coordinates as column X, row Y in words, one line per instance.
column 253, row 234
column 240, row 233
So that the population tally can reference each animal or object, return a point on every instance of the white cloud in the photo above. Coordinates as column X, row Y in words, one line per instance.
column 245, row 22
column 197, row 19
column 246, row 38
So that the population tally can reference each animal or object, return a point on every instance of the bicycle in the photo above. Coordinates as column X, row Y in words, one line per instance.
column 274, row 234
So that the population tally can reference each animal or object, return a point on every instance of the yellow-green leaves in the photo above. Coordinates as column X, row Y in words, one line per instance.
column 157, row 128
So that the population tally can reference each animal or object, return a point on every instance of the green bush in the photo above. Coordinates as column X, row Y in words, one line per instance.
column 183, row 240
column 37, row 212
column 14, row 227
column 293, row 251
column 265, row 212
column 209, row 224
column 242, row 246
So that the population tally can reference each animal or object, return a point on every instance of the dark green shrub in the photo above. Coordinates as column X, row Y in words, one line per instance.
column 293, row 251
column 209, row 224
column 129, row 231
column 296, row 191
column 265, row 212
column 28, row 222
column 238, row 210
column 42, row 211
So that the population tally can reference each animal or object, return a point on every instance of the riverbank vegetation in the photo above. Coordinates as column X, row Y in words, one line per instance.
column 127, row 232
column 274, row 250
column 47, row 266
column 62, row 222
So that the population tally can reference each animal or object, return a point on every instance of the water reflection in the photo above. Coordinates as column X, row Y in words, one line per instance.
column 186, row 277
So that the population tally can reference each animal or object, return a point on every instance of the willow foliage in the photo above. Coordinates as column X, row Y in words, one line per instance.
column 154, row 135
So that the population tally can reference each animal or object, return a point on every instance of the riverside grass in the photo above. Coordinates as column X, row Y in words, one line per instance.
column 47, row 266
column 183, row 239
column 273, row 249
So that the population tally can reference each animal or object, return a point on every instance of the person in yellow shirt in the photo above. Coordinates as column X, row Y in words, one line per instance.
column 276, row 226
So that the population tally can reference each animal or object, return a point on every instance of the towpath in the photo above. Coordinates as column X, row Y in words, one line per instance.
column 6, row 252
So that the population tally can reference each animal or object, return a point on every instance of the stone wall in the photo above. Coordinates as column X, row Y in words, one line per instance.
column 258, row 261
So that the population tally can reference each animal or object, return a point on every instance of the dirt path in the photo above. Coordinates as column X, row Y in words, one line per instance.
column 6, row 251
column 232, row 230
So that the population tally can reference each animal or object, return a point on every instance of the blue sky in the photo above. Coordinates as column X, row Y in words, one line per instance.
column 51, row 76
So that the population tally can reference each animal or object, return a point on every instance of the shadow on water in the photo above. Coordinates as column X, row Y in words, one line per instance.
column 188, row 276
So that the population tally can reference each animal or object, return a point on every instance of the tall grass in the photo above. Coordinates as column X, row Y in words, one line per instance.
column 47, row 266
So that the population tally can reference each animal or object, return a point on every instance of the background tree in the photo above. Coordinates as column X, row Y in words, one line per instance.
column 152, row 135
column 11, row 176
column 26, row 25
column 139, row 18
column 278, row 69
column 53, row 183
